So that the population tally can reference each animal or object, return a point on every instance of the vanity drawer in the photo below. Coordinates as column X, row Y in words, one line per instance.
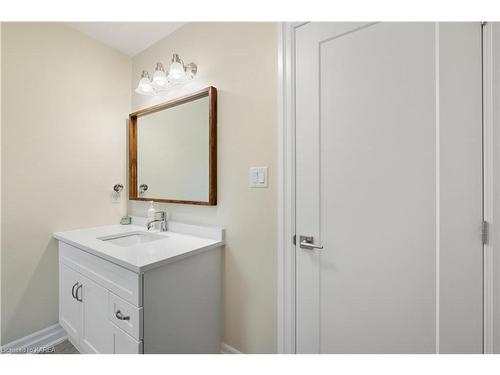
column 126, row 316
column 122, row 282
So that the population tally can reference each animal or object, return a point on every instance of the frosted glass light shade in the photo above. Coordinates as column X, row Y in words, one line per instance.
column 144, row 87
column 160, row 78
column 176, row 71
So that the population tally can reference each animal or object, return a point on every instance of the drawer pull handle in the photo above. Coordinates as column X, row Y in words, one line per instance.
column 120, row 316
column 78, row 297
column 73, row 290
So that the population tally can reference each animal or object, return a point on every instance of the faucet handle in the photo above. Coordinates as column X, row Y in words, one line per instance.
column 163, row 214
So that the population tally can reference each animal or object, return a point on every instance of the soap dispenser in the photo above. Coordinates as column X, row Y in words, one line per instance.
column 151, row 212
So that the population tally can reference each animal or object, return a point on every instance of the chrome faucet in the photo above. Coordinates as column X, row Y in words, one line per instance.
column 162, row 221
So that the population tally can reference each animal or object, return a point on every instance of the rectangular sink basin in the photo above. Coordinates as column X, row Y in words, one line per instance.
column 132, row 238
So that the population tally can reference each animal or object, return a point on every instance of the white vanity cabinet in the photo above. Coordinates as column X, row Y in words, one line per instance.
column 170, row 308
column 86, row 303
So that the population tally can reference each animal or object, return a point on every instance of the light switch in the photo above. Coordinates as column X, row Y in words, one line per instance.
column 254, row 176
column 262, row 176
column 258, row 177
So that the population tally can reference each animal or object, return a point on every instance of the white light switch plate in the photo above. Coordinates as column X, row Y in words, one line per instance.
column 258, row 177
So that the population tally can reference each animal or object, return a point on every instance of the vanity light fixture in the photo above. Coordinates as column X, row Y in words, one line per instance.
column 162, row 80
column 144, row 87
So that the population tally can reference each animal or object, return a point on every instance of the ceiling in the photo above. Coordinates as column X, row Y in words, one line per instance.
column 127, row 37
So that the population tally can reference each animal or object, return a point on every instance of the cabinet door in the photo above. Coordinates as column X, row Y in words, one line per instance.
column 123, row 343
column 96, row 335
column 70, row 309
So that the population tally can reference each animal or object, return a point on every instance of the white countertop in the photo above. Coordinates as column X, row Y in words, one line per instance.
column 180, row 241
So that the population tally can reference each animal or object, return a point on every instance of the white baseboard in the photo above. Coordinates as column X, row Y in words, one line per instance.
column 54, row 335
column 228, row 349
column 36, row 342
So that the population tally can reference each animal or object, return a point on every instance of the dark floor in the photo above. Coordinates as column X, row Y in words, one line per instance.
column 63, row 348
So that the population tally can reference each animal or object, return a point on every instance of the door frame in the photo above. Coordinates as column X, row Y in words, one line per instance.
column 286, row 337
column 286, row 188
column 491, row 185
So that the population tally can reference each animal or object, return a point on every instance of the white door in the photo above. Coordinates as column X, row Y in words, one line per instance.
column 96, row 330
column 389, row 182
column 70, row 308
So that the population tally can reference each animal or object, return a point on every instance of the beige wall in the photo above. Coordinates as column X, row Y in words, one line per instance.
column 65, row 98
column 240, row 59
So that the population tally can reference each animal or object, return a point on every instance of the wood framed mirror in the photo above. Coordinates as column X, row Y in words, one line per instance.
column 173, row 151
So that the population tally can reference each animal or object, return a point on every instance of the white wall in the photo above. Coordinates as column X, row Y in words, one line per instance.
column 240, row 59
column 65, row 99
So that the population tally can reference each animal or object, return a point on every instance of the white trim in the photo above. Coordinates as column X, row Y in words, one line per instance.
column 228, row 349
column 37, row 341
column 286, row 190
column 489, row 193
column 438, row 183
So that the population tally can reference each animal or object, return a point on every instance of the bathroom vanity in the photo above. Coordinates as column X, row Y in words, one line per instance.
column 123, row 289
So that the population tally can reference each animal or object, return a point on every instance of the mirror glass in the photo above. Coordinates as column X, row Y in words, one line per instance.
column 173, row 153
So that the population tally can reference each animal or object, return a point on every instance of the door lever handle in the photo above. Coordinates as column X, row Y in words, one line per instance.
column 306, row 242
